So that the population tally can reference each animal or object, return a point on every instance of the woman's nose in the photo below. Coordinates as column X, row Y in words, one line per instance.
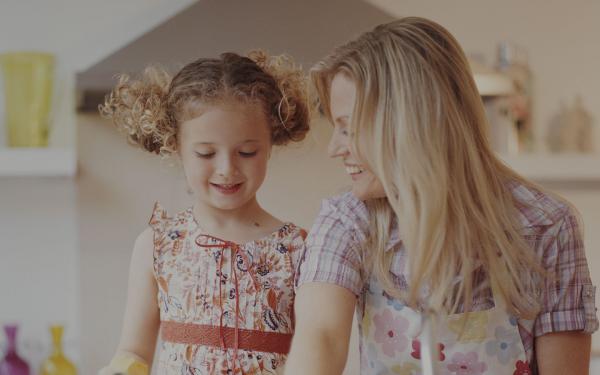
column 337, row 146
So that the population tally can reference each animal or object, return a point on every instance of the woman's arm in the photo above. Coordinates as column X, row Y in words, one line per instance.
column 324, row 322
column 141, row 321
column 563, row 353
column 568, row 316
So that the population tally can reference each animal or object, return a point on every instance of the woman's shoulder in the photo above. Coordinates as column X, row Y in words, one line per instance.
column 537, row 207
column 342, row 215
column 347, row 206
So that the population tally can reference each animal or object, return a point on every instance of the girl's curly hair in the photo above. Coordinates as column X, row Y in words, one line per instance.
column 151, row 108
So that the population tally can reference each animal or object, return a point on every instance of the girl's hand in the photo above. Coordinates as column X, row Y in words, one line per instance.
column 126, row 364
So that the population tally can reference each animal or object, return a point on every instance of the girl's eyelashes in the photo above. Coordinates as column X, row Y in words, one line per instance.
column 207, row 155
column 248, row 154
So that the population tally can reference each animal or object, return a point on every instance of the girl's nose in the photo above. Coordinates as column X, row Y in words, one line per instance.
column 226, row 167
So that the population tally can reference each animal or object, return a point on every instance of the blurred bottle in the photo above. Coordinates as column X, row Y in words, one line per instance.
column 57, row 363
column 571, row 129
column 513, row 61
column 12, row 364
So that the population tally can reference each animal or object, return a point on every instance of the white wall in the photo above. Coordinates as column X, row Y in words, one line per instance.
column 80, row 31
column 39, row 273
column 305, row 29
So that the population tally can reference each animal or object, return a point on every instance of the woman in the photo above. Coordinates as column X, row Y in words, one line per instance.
column 435, row 227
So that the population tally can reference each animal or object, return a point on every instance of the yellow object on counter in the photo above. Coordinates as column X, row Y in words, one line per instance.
column 57, row 363
column 126, row 364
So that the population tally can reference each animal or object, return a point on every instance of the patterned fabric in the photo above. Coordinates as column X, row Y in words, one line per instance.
column 332, row 255
column 197, row 275
column 393, row 338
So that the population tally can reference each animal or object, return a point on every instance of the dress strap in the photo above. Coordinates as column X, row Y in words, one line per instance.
column 159, row 219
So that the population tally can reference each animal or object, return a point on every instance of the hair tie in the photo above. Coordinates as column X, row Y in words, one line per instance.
column 283, row 122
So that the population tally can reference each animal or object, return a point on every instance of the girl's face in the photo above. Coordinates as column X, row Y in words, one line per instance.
column 224, row 152
column 365, row 185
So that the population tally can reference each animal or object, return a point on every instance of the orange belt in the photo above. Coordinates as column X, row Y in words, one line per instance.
column 225, row 337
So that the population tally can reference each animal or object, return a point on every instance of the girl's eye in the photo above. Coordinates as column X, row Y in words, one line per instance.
column 205, row 156
column 248, row 154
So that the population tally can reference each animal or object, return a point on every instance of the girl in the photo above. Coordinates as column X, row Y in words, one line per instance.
column 435, row 226
column 222, row 269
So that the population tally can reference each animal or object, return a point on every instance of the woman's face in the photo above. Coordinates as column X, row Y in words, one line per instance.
column 365, row 185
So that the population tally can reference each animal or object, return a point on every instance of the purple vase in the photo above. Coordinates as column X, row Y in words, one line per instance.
column 12, row 364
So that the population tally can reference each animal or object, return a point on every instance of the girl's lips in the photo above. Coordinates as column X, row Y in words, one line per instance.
column 227, row 189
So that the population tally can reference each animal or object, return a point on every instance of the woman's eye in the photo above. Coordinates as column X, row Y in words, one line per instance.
column 247, row 154
column 342, row 129
column 205, row 155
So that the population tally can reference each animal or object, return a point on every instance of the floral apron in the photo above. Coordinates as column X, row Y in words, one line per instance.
column 476, row 343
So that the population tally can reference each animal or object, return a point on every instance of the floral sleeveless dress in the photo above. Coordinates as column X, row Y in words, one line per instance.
column 204, row 280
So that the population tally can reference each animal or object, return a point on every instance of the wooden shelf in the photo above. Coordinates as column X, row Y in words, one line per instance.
column 44, row 162
column 556, row 167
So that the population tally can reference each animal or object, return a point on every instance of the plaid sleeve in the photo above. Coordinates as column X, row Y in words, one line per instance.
column 331, row 254
column 568, row 298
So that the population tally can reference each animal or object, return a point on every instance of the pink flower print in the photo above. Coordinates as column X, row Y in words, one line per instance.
column 466, row 364
column 416, row 346
column 522, row 368
column 416, row 353
column 389, row 331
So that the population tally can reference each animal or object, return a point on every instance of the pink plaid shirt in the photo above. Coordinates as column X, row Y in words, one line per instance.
column 332, row 256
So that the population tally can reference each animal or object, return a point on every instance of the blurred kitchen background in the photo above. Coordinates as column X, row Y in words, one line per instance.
column 72, row 202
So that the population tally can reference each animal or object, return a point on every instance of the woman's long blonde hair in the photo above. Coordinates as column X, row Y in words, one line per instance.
column 419, row 125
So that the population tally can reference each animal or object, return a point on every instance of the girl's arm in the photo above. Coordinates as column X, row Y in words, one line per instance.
column 324, row 322
column 563, row 353
column 141, row 321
